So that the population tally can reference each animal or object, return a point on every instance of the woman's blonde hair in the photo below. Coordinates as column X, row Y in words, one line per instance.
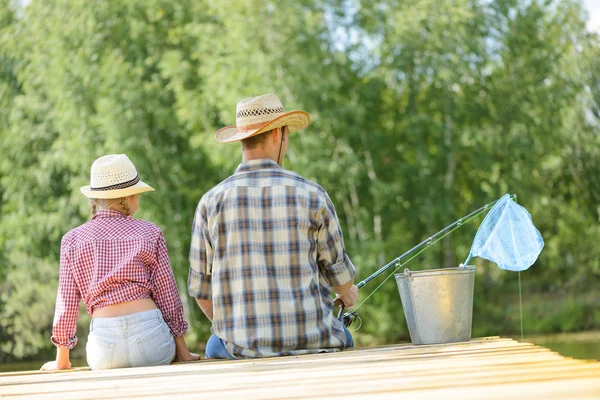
column 119, row 204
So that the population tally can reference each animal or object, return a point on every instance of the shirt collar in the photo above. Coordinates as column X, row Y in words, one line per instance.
column 108, row 214
column 255, row 165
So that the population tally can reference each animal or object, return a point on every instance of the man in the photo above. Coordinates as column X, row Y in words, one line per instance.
column 267, row 248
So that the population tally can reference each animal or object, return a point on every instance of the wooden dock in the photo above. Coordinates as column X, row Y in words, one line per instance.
column 485, row 368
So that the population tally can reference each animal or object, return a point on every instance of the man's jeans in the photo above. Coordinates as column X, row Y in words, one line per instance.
column 215, row 348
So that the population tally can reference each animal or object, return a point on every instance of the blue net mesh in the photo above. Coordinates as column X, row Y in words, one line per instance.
column 508, row 237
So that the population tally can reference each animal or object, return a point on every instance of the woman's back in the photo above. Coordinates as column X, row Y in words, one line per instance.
column 112, row 258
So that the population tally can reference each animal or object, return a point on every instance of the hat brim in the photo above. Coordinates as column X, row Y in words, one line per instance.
column 139, row 187
column 294, row 120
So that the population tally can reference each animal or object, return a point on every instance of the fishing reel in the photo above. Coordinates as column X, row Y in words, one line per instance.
column 349, row 318
column 346, row 318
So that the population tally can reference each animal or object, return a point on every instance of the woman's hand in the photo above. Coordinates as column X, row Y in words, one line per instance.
column 187, row 356
column 62, row 361
column 55, row 366
column 182, row 353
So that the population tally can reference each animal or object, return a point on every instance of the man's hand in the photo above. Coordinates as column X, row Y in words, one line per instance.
column 349, row 298
column 55, row 366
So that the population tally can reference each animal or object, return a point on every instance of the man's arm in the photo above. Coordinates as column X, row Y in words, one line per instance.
column 334, row 264
column 206, row 307
column 200, row 273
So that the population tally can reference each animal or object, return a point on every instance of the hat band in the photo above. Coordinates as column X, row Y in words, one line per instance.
column 123, row 185
column 250, row 127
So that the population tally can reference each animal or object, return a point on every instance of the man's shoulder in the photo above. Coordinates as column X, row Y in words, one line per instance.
column 217, row 189
column 280, row 176
column 305, row 183
column 291, row 178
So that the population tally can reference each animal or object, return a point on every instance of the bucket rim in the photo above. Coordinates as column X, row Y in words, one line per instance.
column 468, row 269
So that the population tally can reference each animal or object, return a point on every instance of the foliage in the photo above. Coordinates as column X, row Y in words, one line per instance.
column 422, row 111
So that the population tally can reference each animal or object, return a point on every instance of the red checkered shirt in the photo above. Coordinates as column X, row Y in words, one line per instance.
column 113, row 259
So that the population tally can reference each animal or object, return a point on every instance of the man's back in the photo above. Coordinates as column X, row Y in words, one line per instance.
column 266, row 248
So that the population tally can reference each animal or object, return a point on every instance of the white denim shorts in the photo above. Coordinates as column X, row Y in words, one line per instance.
column 135, row 340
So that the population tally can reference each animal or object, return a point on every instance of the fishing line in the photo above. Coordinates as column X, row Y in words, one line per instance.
column 520, row 302
column 401, row 264
column 521, row 217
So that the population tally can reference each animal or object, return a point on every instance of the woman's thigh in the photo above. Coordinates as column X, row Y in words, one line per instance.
column 103, row 351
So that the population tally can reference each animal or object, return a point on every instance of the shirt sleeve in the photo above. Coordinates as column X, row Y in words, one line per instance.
column 201, row 256
column 334, row 264
column 64, row 327
column 165, row 293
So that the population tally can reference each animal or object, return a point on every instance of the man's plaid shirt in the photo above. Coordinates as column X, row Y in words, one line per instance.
column 266, row 248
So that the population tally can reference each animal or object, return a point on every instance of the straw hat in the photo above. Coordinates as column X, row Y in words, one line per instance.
column 261, row 114
column 114, row 176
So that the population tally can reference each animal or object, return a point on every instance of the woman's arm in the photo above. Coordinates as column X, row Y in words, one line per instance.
column 64, row 328
column 167, row 299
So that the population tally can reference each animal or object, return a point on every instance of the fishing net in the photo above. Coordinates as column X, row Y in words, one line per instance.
column 508, row 237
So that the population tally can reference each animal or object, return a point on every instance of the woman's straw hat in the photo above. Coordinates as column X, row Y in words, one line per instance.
column 114, row 176
column 261, row 114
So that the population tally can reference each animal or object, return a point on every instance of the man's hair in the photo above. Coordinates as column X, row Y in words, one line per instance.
column 257, row 140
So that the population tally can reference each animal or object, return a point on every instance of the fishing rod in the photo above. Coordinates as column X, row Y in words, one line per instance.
column 349, row 317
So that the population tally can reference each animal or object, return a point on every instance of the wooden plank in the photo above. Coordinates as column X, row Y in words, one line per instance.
column 406, row 350
column 471, row 368
column 477, row 342
column 254, row 386
column 257, row 372
column 274, row 364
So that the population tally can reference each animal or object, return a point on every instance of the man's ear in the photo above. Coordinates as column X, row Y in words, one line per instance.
column 275, row 135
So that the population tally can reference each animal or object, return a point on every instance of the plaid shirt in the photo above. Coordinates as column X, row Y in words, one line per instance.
column 113, row 259
column 266, row 248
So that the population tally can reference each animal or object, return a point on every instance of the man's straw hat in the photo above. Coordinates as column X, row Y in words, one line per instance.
column 112, row 177
column 261, row 114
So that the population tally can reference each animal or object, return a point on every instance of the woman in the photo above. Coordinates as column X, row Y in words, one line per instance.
column 120, row 268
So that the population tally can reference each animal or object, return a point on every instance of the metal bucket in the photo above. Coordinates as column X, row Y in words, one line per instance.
column 438, row 304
